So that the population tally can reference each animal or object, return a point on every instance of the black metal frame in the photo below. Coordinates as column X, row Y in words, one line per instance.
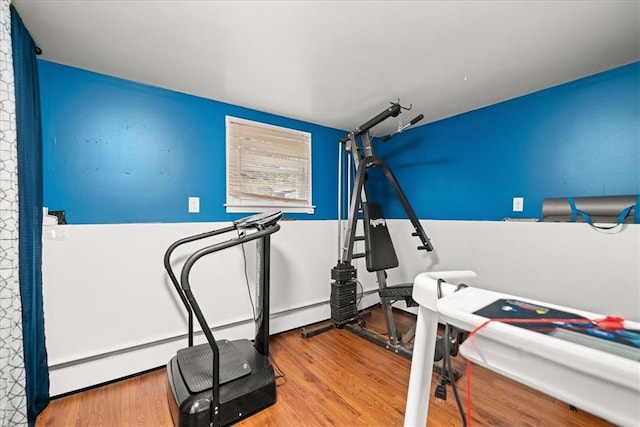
column 344, row 274
column 174, row 280
column 265, row 224
column 366, row 164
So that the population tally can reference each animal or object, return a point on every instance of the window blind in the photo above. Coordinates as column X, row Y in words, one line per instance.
column 267, row 166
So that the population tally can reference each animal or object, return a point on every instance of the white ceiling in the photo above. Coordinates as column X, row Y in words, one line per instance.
column 338, row 63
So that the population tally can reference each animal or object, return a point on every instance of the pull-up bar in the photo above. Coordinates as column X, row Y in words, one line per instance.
column 393, row 111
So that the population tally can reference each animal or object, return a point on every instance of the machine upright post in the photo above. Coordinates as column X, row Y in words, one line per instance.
column 357, row 196
column 262, row 298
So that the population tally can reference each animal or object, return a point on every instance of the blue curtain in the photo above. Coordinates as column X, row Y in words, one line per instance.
column 29, row 141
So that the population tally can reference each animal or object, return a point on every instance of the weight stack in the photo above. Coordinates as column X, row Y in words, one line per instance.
column 344, row 308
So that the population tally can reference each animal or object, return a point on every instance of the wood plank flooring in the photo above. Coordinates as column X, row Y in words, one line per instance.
column 333, row 379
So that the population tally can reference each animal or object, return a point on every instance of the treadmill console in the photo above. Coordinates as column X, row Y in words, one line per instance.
column 568, row 326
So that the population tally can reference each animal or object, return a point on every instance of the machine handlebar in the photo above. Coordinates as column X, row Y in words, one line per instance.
column 392, row 111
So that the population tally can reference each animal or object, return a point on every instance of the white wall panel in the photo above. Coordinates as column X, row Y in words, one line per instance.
column 110, row 310
column 106, row 291
column 563, row 263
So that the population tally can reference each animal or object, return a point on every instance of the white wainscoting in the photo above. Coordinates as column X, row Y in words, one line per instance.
column 569, row 264
column 110, row 310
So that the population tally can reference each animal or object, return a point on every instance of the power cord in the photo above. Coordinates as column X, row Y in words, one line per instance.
column 246, row 278
column 280, row 374
column 358, row 301
column 447, row 368
column 452, row 380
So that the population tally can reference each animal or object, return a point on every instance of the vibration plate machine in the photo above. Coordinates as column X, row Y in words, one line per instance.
column 222, row 382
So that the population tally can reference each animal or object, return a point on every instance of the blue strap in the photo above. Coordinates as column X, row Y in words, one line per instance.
column 636, row 216
column 636, row 212
column 624, row 214
column 575, row 212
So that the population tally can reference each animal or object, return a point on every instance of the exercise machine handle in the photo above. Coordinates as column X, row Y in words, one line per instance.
column 172, row 276
column 411, row 123
column 392, row 111
column 186, row 269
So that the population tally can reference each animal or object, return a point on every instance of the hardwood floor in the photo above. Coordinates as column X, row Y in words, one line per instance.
column 333, row 379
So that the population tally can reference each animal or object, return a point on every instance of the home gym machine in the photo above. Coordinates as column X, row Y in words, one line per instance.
column 379, row 252
column 222, row 382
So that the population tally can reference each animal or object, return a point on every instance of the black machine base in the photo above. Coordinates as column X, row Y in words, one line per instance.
column 397, row 349
column 379, row 340
column 239, row 398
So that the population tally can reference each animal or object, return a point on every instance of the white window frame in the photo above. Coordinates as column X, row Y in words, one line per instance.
column 259, row 199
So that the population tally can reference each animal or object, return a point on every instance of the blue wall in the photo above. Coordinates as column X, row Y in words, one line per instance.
column 577, row 139
column 121, row 152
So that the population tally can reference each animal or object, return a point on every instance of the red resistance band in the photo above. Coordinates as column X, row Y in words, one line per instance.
column 609, row 323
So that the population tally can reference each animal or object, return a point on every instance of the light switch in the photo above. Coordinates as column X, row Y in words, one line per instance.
column 194, row 204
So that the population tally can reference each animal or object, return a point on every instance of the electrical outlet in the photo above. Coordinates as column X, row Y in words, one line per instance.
column 518, row 204
column 194, row 204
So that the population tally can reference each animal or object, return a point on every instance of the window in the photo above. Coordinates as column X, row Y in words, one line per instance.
column 267, row 167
